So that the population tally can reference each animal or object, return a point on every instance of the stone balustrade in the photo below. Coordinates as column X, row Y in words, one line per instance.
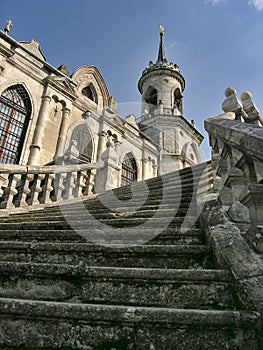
column 22, row 186
column 237, row 159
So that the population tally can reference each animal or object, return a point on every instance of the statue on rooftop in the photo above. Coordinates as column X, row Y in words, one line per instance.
column 9, row 24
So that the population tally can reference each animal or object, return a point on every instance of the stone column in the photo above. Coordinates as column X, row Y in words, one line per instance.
column 38, row 133
column 62, row 132
column 101, row 142
column 144, row 162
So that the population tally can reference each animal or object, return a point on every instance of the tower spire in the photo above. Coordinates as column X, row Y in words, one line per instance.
column 161, row 53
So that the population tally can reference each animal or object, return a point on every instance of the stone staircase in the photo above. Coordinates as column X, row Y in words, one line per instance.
column 127, row 269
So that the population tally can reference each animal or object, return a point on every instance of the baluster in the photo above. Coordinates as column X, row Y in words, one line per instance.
column 3, row 183
column 10, row 191
column 90, row 181
column 70, row 185
column 59, row 185
column 47, row 188
column 26, row 190
column 81, row 183
column 36, row 189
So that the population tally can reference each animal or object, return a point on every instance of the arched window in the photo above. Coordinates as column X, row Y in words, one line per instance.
column 90, row 93
column 129, row 170
column 15, row 112
column 178, row 100
column 151, row 99
column 82, row 135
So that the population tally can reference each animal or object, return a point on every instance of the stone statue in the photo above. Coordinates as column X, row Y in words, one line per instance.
column 9, row 24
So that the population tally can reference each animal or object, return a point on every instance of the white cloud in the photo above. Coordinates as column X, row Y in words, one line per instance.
column 257, row 3
column 214, row 2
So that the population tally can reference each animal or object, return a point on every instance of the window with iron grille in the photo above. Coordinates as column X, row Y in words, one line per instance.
column 129, row 170
column 15, row 111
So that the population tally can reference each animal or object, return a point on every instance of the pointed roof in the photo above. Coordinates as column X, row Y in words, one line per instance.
column 161, row 66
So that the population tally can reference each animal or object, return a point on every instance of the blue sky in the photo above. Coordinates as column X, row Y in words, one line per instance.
column 216, row 43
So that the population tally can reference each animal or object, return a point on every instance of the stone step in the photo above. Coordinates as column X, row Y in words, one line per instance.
column 96, row 212
column 168, row 192
column 58, row 212
column 169, row 236
column 205, row 289
column 177, row 177
column 141, row 200
column 91, row 221
column 118, row 255
column 146, row 189
column 42, row 324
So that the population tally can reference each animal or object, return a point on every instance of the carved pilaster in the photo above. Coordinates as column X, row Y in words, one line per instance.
column 62, row 132
column 38, row 133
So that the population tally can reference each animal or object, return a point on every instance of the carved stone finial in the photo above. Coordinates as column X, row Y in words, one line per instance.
column 9, row 24
column 250, row 108
column 231, row 103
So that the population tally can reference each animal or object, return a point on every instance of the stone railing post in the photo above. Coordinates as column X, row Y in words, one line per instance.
column 107, row 177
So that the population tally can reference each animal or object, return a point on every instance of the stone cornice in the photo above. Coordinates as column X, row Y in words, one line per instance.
column 161, row 71
column 173, row 121
column 58, row 85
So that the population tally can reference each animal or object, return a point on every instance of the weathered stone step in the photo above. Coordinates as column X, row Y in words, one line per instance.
column 158, row 187
column 176, row 177
column 156, row 194
column 39, row 324
column 59, row 212
column 168, row 236
column 97, row 212
column 91, row 221
column 141, row 200
column 160, row 256
column 130, row 286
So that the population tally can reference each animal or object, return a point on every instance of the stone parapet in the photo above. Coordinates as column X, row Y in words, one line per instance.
column 237, row 156
column 24, row 186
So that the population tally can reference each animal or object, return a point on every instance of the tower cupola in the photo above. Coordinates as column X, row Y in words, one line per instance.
column 161, row 83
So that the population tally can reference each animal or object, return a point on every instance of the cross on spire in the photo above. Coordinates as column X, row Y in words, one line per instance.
column 161, row 52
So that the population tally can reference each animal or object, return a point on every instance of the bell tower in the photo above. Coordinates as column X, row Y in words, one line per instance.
column 161, row 86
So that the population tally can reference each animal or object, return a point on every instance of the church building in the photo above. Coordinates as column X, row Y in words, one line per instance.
column 48, row 116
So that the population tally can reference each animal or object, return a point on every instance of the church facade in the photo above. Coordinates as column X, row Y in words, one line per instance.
column 48, row 116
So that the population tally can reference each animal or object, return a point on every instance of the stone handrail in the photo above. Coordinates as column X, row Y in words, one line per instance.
column 23, row 186
column 238, row 178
